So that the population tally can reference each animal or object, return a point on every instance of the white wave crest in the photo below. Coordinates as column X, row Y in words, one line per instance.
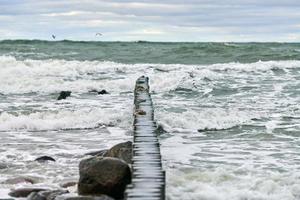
column 65, row 119
column 52, row 75
column 206, row 119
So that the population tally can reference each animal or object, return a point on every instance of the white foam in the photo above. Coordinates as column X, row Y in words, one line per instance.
column 206, row 118
column 21, row 76
column 65, row 119
column 228, row 184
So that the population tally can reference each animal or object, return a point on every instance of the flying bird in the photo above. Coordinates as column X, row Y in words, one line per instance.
column 53, row 36
column 100, row 34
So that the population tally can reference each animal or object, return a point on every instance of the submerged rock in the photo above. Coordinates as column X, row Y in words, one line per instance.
column 160, row 130
column 3, row 166
column 103, row 92
column 99, row 92
column 44, row 159
column 18, row 180
column 76, row 197
column 122, row 151
column 64, row 95
column 24, row 192
column 100, row 175
column 46, row 195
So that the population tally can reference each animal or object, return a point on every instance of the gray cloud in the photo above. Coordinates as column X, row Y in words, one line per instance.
column 177, row 20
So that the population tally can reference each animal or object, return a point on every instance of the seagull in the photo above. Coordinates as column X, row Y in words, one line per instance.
column 100, row 34
column 53, row 36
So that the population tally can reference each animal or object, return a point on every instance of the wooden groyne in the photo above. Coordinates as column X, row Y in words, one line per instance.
column 148, row 177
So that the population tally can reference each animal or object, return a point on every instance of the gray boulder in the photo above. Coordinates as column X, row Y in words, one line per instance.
column 97, row 153
column 76, row 197
column 122, row 151
column 24, row 192
column 46, row 195
column 103, row 175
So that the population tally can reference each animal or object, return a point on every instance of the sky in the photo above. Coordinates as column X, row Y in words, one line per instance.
column 152, row 20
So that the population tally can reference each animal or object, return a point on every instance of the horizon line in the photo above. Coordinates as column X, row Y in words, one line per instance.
column 148, row 41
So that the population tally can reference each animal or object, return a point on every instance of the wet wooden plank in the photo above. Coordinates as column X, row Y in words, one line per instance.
column 148, row 177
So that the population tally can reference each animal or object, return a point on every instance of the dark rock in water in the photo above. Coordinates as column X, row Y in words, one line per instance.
column 76, row 197
column 64, row 95
column 18, row 180
column 99, row 92
column 207, row 129
column 97, row 153
column 100, row 175
column 68, row 184
column 95, row 91
column 122, row 151
column 3, row 165
column 46, row 195
column 45, row 158
column 160, row 130
column 103, row 92
column 24, row 192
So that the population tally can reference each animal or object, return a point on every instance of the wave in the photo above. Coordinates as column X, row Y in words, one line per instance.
column 205, row 120
column 80, row 119
column 52, row 75
column 227, row 183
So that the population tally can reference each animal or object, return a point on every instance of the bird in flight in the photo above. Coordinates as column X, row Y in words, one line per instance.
column 100, row 34
column 53, row 36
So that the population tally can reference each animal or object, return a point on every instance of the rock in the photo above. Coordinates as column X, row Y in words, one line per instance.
column 97, row 153
column 3, row 165
column 99, row 92
column 103, row 92
column 100, row 175
column 68, row 184
column 64, row 95
column 44, row 159
column 18, row 180
column 139, row 112
column 75, row 197
column 160, row 130
column 46, row 195
column 122, row 151
column 24, row 192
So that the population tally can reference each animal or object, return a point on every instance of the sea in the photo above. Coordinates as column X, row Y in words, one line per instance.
column 229, row 113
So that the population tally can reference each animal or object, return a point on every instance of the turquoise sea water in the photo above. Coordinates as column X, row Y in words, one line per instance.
column 230, row 111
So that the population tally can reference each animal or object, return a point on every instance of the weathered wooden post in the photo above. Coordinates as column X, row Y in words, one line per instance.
column 148, row 177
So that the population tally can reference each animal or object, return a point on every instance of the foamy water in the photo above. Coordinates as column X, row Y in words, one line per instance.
column 232, row 129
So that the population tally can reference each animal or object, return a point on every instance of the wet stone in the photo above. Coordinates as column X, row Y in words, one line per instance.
column 75, row 197
column 24, row 192
column 64, row 95
column 106, row 175
column 122, row 151
column 44, row 159
column 46, row 195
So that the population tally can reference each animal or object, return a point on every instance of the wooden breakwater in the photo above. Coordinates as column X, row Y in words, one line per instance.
column 148, row 177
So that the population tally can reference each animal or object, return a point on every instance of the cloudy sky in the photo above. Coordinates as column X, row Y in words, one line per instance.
column 153, row 20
